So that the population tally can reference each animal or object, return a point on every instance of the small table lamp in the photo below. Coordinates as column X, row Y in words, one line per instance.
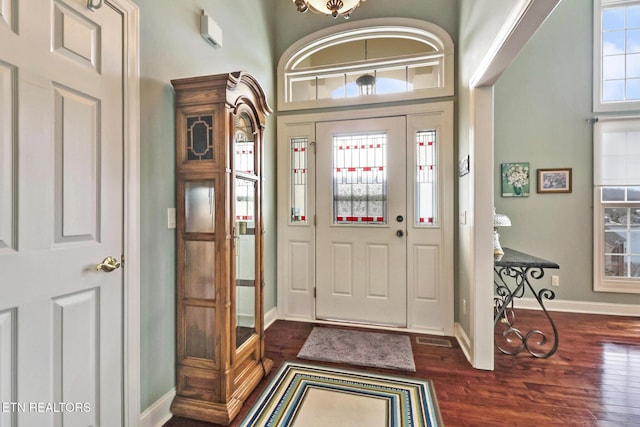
column 499, row 220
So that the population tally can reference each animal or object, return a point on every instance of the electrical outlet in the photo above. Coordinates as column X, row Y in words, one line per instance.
column 555, row 280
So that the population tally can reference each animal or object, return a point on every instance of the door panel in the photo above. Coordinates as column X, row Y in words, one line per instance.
column 75, row 352
column 318, row 251
column 360, row 190
column 77, row 163
column 61, row 212
column 8, row 150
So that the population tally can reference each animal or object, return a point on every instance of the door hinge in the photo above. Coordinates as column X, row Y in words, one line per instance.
column 314, row 221
column 314, row 293
column 313, row 145
column 122, row 260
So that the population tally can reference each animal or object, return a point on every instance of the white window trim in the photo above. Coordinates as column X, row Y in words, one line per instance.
column 602, row 283
column 421, row 30
column 598, row 105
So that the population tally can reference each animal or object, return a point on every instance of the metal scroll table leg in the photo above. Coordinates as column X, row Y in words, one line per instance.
column 533, row 340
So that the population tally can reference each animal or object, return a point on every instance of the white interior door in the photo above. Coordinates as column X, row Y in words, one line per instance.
column 361, row 221
column 61, row 213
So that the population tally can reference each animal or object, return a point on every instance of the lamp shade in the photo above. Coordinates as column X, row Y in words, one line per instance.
column 500, row 220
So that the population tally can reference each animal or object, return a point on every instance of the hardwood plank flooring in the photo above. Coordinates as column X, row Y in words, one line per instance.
column 592, row 380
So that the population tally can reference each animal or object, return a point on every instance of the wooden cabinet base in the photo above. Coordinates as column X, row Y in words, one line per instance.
column 222, row 413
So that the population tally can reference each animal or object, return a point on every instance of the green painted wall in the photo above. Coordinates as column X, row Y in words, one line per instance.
column 543, row 104
column 171, row 47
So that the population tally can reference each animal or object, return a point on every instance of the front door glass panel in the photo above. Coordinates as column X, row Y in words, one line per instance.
column 360, row 179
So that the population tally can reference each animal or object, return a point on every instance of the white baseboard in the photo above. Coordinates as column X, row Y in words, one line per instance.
column 159, row 412
column 463, row 340
column 270, row 317
column 580, row 307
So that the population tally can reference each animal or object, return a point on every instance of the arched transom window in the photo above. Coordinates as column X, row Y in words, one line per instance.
column 367, row 63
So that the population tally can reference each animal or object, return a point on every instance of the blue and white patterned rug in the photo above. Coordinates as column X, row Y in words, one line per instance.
column 302, row 395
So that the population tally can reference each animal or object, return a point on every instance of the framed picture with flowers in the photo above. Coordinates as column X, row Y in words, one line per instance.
column 515, row 179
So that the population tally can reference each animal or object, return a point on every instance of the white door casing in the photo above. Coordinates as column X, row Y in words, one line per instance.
column 429, row 249
column 62, row 136
column 361, row 260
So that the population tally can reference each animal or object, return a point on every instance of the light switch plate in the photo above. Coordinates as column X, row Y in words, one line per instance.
column 171, row 218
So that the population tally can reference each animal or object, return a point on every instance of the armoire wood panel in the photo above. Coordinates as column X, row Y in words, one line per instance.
column 220, row 359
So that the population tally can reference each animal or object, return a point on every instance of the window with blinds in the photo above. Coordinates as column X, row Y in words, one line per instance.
column 616, row 160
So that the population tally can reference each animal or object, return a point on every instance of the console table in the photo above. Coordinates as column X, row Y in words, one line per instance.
column 515, row 273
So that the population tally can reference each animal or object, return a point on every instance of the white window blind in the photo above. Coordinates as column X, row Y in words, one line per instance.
column 616, row 155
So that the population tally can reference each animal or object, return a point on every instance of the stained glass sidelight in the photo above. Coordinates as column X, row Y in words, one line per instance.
column 299, row 180
column 426, row 177
column 360, row 179
column 200, row 137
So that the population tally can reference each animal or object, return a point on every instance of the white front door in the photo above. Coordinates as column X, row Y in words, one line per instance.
column 361, row 221
column 339, row 253
column 61, row 213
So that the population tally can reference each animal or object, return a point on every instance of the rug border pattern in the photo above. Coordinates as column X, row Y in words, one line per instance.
column 281, row 400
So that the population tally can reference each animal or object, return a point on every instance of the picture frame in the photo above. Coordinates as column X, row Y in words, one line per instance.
column 558, row 180
column 515, row 179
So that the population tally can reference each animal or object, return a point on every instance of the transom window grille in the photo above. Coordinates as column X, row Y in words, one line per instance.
column 352, row 64
column 360, row 179
column 386, row 79
column 426, row 177
column 299, row 175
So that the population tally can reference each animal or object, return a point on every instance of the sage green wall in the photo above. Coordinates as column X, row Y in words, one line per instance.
column 480, row 23
column 171, row 47
column 543, row 104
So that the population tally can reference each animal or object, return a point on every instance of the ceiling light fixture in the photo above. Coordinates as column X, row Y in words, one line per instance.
column 366, row 82
column 334, row 8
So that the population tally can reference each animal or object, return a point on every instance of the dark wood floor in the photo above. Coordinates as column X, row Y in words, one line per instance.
column 592, row 380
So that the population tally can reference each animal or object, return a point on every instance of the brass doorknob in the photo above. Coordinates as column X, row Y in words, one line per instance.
column 108, row 264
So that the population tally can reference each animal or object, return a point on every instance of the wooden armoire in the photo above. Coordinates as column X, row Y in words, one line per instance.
column 219, row 244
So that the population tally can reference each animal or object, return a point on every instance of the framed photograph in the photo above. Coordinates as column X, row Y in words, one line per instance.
column 554, row 180
column 515, row 179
